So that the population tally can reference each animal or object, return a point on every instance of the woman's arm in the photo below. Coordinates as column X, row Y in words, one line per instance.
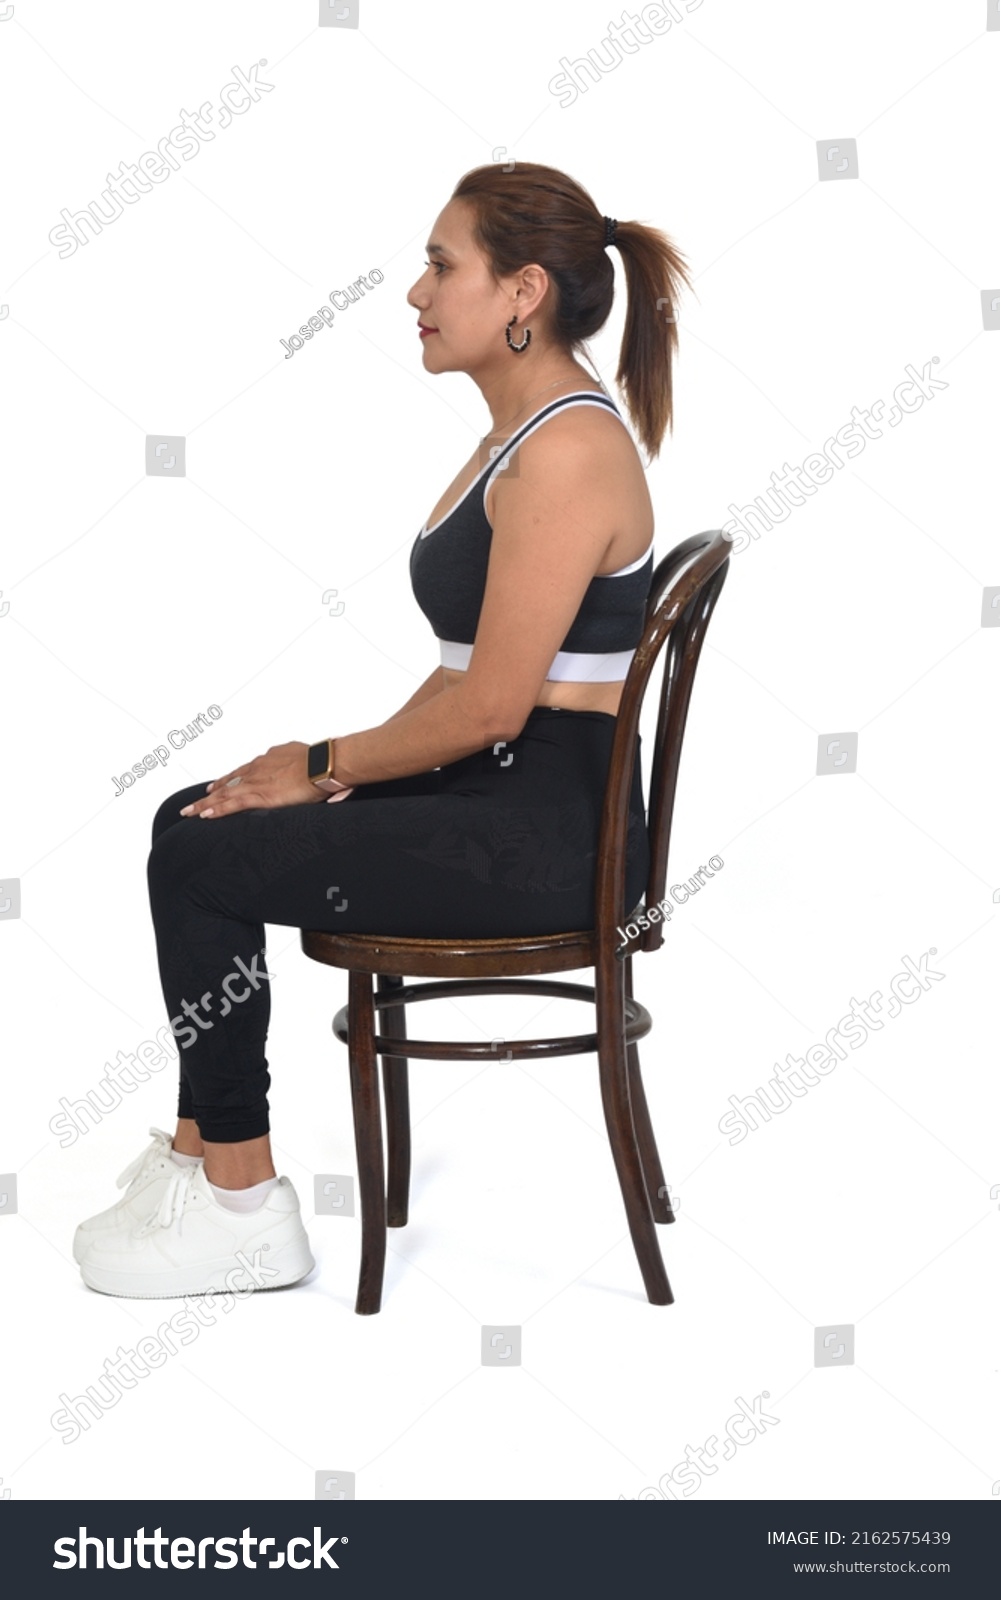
column 436, row 726
column 550, row 533
column 431, row 685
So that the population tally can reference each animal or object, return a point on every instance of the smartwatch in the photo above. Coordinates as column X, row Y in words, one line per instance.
column 320, row 766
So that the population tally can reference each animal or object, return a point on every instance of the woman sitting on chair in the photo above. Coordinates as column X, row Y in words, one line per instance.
column 474, row 809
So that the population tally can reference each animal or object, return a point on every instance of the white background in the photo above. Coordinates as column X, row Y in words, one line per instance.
column 132, row 603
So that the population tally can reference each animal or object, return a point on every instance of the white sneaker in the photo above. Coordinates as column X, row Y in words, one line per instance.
column 192, row 1245
column 147, row 1178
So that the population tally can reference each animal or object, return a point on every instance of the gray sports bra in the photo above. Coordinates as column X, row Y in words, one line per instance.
column 448, row 573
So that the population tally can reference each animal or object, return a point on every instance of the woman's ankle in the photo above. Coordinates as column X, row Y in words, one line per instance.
column 187, row 1141
column 239, row 1165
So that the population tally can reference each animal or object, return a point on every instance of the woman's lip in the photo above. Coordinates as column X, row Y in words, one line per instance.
column 425, row 331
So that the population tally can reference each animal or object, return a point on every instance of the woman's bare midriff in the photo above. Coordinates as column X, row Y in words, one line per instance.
column 627, row 546
column 566, row 696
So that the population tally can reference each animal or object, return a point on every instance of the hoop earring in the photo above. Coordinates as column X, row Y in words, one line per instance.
column 524, row 343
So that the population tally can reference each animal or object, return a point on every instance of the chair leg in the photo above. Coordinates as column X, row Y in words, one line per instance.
column 368, row 1140
column 614, row 1076
column 653, row 1172
column 396, row 1089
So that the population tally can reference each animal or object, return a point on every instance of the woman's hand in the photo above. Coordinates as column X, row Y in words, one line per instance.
column 276, row 779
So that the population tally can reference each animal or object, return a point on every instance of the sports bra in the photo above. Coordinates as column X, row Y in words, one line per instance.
column 448, row 574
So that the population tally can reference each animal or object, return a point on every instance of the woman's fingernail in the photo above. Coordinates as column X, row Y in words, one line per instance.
column 208, row 788
column 185, row 811
column 208, row 813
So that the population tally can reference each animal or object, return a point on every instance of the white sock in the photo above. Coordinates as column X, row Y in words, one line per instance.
column 185, row 1161
column 243, row 1199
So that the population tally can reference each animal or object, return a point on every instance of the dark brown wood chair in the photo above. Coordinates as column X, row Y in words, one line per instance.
column 684, row 590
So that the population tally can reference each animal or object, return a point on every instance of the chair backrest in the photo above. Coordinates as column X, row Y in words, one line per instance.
column 683, row 591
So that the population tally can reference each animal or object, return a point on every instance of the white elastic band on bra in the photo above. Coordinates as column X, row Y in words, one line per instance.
column 568, row 666
column 634, row 566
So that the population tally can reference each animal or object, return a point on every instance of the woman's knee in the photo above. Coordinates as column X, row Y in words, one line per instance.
column 178, row 854
column 170, row 811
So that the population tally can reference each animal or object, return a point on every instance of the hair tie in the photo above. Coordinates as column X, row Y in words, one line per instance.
column 611, row 223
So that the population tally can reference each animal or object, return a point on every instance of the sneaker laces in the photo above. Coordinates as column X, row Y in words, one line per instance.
column 160, row 1139
column 171, row 1207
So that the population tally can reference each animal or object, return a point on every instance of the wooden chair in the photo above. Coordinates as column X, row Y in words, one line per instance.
column 684, row 589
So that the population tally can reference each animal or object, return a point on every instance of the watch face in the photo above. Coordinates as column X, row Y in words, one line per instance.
column 319, row 755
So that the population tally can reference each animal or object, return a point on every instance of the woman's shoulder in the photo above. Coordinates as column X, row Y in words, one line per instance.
column 592, row 433
column 585, row 450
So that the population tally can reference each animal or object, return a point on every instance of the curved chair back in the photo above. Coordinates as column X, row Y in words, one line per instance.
column 683, row 591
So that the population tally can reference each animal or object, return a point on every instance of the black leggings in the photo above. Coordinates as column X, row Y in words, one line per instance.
column 499, row 844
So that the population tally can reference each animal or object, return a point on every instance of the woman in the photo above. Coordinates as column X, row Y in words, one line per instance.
column 474, row 809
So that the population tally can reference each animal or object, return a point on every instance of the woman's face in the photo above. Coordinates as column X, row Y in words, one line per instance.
column 458, row 297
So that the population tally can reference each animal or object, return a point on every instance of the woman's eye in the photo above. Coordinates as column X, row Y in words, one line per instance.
column 438, row 264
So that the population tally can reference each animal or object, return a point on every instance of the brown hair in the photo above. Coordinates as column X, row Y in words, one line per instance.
column 537, row 213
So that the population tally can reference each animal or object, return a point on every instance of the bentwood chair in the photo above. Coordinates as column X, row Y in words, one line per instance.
column 684, row 590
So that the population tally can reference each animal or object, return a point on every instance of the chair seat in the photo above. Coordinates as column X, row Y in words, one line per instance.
column 474, row 958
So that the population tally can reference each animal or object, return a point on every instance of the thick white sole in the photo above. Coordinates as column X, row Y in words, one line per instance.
column 290, row 1264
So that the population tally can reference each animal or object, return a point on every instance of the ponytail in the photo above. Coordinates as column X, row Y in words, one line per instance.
column 537, row 213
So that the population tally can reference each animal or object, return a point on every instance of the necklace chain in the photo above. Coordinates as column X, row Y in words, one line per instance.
column 524, row 403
